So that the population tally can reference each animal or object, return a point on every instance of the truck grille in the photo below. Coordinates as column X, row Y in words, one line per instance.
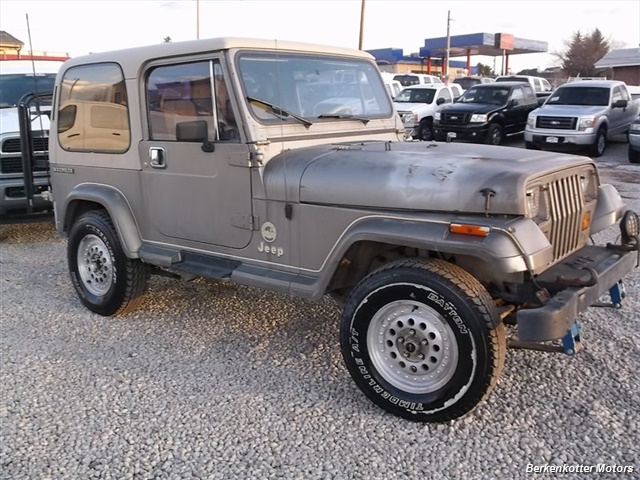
column 12, row 145
column 567, row 206
column 556, row 123
column 452, row 118
column 14, row 165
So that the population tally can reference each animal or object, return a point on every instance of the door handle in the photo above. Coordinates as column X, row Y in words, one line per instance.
column 157, row 157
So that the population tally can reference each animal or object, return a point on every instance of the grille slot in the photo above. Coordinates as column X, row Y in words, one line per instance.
column 12, row 145
column 566, row 215
column 556, row 123
column 454, row 118
column 14, row 164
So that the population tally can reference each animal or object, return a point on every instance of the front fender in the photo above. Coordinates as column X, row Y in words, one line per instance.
column 512, row 246
column 114, row 201
column 609, row 208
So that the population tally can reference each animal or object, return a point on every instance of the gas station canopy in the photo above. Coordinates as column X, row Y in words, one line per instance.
column 490, row 44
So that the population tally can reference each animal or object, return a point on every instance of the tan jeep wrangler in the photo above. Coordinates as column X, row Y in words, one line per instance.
column 282, row 165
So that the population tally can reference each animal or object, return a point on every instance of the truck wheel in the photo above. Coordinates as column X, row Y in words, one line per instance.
column 531, row 146
column 600, row 144
column 426, row 130
column 634, row 155
column 422, row 340
column 494, row 136
column 107, row 282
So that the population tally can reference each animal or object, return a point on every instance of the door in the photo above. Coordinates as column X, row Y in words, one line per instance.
column 196, row 178
column 516, row 112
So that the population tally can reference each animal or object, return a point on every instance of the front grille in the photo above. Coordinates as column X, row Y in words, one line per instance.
column 12, row 145
column 557, row 123
column 566, row 210
column 14, row 164
column 454, row 118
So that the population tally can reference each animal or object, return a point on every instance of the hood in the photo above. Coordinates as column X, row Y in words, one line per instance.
column 409, row 106
column 418, row 176
column 9, row 122
column 572, row 110
column 471, row 107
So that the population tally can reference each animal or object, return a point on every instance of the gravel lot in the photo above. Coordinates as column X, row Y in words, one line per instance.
column 218, row 381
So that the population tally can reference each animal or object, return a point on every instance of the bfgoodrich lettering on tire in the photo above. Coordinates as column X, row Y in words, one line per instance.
column 106, row 281
column 423, row 340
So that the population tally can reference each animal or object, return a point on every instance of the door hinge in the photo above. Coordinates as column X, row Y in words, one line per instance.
column 241, row 220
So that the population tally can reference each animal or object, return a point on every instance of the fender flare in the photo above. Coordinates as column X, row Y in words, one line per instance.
column 116, row 204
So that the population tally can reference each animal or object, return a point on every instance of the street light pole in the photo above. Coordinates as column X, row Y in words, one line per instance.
column 361, row 25
column 446, row 71
column 198, row 19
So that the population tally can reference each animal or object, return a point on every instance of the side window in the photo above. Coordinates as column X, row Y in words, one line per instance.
column 617, row 95
column 625, row 94
column 444, row 93
column 180, row 103
column 546, row 86
column 93, row 114
column 517, row 96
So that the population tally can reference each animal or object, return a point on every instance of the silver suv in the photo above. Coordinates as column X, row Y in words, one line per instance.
column 281, row 165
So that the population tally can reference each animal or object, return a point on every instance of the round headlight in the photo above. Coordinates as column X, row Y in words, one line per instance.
column 629, row 226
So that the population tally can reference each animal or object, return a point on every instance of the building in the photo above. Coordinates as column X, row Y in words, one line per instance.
column 12, row 49
column 624, row 65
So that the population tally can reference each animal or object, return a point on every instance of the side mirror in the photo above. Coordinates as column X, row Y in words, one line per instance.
column 620, row 104
column 440, row 101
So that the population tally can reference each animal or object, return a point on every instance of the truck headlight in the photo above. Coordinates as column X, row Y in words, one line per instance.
column 436, row 116
column 538, row 203
column 634, row 127
column 411, row 118
column 531, row 121
column 479, row 118
column 586, row 122
column 589, row 186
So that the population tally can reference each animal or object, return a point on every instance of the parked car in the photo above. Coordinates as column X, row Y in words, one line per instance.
column 206, row 167
column 580, row 115
column 409, row 79
column 539, row 84
column 467, row 82
column 456, row 91
column 634, row 141
column 486, row 113
column 417, row 106
column 393, row 87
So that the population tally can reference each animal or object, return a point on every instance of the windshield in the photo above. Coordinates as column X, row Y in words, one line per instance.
column 312, row 86
column 486, row 95
column 14, row 86
column 416, row 95
column 467, row 83
column 593, row 96
column 407, row 80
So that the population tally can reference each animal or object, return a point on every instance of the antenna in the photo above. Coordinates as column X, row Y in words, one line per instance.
column 33, row 64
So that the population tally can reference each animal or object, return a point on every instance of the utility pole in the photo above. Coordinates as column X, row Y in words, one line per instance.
column 198, row 19
column 446, row 69
column 361, row 26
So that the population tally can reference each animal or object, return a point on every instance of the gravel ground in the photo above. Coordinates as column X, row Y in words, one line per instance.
column 218, row 381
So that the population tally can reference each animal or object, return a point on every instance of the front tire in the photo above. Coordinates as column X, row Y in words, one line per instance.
column 600, row 143
column 634, row 155
column 426, row 130
column 423, row 340
column 495, row 134
column 107, row 282
column 531, row 146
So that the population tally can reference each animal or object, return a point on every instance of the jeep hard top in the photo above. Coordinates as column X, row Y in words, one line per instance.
column 281, row 165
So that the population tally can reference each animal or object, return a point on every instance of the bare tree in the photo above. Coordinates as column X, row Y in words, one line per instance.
column 582, row 52
column 484, row 70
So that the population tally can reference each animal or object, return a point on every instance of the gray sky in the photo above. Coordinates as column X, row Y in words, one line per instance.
column 82, row 26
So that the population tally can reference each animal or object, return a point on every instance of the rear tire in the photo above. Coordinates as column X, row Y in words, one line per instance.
column 495, row 135
column 107, row 282
column 423, row 340
column 600, row 143
column 634, row 155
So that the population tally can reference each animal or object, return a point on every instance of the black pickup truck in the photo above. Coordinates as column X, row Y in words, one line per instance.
column 486, row 113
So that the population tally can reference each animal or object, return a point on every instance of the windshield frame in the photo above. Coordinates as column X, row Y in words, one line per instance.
column 581, row 92
column 315, row 94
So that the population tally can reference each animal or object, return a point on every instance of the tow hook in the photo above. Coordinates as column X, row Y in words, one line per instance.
column 571, row 343
column 617, row 294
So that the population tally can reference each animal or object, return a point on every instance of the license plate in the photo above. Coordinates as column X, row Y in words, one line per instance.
column 452, row 134
column 552, row 139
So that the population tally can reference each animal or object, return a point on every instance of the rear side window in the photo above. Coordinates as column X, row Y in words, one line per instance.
column 93, row 115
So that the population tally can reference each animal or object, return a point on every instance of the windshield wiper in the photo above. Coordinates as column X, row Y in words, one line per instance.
column 281, row 112
column 344, row 115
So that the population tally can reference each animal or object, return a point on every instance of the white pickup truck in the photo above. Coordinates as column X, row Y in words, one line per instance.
column 582, row 114
column 417, row 106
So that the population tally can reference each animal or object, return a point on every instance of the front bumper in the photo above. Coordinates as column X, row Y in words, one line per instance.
column 13, row 200
column 578, row 282
column 560, row 139
column 470, row 132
